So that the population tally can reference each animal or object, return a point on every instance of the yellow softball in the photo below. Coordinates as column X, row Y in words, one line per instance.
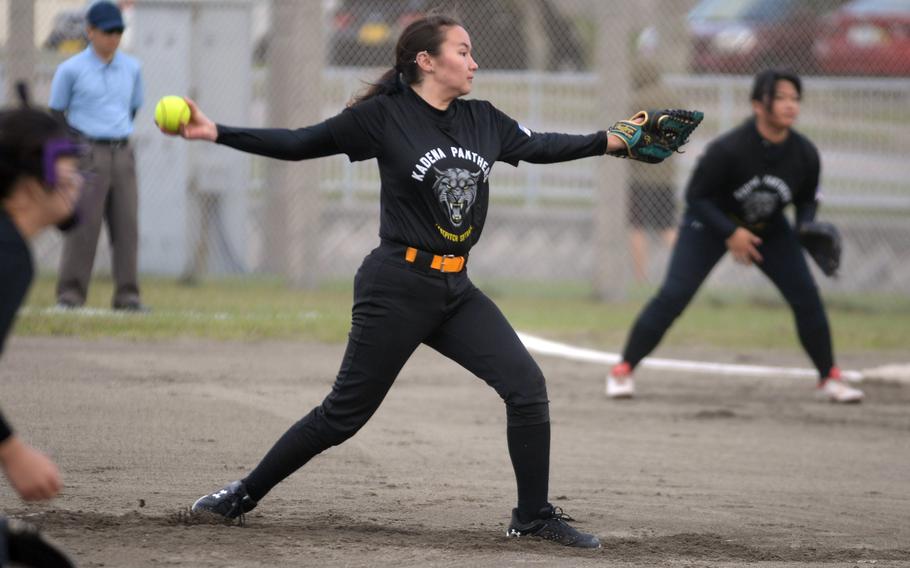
column 171, row 113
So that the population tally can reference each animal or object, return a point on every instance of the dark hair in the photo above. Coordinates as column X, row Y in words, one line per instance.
column 23, row 133
column 765, row 83
column 425, row 34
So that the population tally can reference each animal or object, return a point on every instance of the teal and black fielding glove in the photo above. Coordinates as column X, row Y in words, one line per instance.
column 653, row 136
column 823, row 243
column 640, row 144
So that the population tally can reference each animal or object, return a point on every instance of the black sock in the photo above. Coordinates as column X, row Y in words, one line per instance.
column 529, row 448
column 291, row 452
column 817, row 343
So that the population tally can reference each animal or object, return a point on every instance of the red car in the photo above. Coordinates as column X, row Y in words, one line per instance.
column 744, row 36
column 866, row 37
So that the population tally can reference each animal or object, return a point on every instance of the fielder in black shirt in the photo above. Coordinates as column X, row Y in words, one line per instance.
column 436, row 154
column 735, row 200
column 40, row 185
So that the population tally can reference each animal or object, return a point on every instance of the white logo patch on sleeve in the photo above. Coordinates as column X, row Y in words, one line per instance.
column 525, row 129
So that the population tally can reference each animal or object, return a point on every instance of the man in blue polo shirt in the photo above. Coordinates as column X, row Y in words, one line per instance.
column 99, row 91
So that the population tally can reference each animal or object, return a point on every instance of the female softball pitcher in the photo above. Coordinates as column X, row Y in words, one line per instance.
column 435, row 154
column 735, row 199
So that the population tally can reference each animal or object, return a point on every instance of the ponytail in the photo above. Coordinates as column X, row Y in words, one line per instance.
column 388, row 83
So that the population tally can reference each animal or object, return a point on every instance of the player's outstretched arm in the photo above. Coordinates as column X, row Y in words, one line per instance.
column 281, row 143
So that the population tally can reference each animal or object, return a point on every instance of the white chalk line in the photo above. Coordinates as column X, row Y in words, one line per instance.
column 892, row 372
column 556, row 349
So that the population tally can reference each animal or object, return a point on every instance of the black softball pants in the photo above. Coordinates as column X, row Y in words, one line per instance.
column 397, row 306
column 696, row 253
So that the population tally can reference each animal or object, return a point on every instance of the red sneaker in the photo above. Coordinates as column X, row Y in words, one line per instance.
column 834, row 389
column 620, row 382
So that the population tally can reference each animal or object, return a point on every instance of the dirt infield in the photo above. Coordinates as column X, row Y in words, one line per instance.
column 698, row 471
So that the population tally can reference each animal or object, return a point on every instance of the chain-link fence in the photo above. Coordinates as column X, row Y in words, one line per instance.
column 555, row 65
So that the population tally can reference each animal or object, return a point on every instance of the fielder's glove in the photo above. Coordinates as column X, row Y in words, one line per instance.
column 823, row 243
column 654, row 135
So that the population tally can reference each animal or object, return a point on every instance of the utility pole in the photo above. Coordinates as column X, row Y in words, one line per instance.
column 20, row 45
column 296, row 63
column 611, row 259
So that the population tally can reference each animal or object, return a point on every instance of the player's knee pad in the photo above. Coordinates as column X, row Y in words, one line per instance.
column 527, row 414
column 528, row 404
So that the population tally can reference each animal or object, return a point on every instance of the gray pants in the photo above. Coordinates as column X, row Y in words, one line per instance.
column 116, row 201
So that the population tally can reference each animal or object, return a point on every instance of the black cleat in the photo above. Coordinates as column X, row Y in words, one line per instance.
column 552, row 525
column 230, row 502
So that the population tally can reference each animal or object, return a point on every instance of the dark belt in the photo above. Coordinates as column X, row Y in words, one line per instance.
column 440, row 262
column 754, row 227
column 113, row 142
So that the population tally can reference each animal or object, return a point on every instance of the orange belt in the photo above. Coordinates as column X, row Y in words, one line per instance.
column 442, row 263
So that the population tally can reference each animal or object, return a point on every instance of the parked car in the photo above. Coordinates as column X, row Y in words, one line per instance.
column 744, row 36
column 67, row 35
column 365, row 32
column 866, row 37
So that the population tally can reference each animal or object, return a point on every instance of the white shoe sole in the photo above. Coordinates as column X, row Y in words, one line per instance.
column 617, row 390
column 842, row 394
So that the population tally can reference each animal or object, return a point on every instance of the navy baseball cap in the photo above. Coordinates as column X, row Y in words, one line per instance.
column 105, row 16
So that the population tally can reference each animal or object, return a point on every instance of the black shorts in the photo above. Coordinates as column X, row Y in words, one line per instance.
column 652, row 206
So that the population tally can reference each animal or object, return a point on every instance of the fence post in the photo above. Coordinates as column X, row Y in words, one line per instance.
column 674, row 50
column 534, row 31
column 20, row 53
column 611, row 259
column 294, row 211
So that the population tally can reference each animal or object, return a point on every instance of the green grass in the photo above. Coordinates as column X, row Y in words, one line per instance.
column 264, row 308
column 724, row 320
column 246, row 309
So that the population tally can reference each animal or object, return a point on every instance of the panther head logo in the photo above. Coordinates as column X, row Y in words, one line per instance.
column 456, row 190
column 759, row 205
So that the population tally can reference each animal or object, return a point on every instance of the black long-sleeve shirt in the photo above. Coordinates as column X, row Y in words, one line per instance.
column 434, row 165
column 16, row 273
column 742, row 180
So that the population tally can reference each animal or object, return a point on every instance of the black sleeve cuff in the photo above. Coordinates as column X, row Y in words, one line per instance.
column 5, row 429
